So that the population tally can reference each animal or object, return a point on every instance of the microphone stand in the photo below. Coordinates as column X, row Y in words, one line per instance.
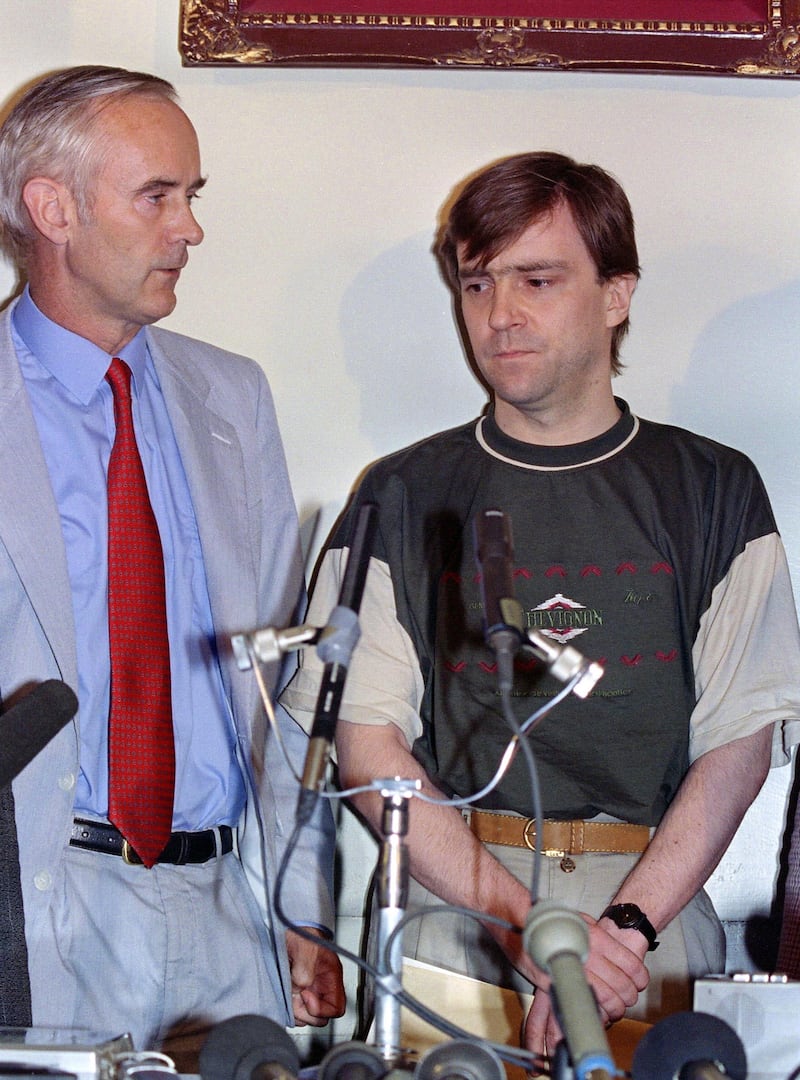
column 392, row 892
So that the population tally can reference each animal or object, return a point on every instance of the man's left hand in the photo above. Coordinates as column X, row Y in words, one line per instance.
column 317, row 985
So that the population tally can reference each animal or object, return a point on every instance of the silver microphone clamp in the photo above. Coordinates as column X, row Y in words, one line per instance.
column 270, row 643
column 335, row 642
column 565, row 663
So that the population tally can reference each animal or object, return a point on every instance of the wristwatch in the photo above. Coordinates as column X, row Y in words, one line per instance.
column 631, row 917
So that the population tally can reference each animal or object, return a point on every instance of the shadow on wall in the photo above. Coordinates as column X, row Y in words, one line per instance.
column 397, row 318
column 741, row 387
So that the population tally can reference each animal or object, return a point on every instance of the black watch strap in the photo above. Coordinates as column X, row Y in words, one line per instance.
column 631, row 917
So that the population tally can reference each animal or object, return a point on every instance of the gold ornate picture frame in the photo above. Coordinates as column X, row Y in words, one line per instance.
column 727, row 37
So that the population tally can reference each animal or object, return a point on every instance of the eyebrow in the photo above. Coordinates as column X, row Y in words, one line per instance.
column 538, row 267
column 162, row 182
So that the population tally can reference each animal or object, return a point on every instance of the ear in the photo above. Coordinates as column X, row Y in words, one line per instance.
column 619, row 293
column 51, row 207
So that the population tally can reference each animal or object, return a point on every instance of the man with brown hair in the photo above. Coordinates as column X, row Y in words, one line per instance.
column 644, row 545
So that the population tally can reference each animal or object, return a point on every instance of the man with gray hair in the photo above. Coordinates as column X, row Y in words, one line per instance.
column 133, row 462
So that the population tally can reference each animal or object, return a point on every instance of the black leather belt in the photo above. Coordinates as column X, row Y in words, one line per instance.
column 181, row 848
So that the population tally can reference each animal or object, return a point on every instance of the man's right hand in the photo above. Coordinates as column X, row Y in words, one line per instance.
column 616, row 975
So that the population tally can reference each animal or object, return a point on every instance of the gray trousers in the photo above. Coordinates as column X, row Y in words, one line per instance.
column 163, row 954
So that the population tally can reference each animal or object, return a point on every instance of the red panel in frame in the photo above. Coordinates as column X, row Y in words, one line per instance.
column 728, row 37
column 698, row 11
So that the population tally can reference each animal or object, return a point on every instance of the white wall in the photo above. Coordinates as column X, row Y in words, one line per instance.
column 324, row 188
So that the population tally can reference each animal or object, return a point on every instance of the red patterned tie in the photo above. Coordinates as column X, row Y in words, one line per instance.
column 141, row 747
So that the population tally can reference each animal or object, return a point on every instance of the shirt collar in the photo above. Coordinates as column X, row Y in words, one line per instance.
column 538, row 456
column 75, row 362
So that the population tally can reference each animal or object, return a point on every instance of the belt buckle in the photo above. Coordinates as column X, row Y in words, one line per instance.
column 529, row 836
column 129, row 856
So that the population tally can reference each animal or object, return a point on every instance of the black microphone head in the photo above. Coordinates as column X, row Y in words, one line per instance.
column 494, row 552
column 235, row 1047
column 685, row 1038
column 493, row 536
column 29, row 725
column 352, row 1061
column 460, row 1060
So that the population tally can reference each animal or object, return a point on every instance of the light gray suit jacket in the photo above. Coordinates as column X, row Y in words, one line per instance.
column 224, row 422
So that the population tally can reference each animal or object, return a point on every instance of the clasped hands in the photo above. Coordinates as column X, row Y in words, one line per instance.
column 615, row 971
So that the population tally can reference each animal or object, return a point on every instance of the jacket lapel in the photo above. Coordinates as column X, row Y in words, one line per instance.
column 214, row 464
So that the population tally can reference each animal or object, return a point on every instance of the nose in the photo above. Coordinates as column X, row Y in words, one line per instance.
column 185, row 227
column 193, row 233
column 505, row 311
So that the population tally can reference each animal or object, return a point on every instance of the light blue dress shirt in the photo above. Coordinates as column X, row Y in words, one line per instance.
column 74, row 412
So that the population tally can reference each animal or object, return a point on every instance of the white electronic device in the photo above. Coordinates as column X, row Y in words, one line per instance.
column 763, row 1010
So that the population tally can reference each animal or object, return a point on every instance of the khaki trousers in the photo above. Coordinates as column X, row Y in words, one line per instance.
column 692, row 945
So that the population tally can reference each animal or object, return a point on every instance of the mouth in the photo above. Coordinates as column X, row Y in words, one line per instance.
column 512, row 354
column 176, row 267
column 507, row 347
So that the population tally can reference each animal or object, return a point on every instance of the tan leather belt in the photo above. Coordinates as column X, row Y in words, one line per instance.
column 559, row 838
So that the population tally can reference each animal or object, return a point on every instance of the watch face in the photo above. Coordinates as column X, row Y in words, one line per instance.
column 629, row 916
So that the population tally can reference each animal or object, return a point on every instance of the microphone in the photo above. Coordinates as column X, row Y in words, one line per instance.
column 352, row 1061
column 557, row 940
column 249, row 1047
column 502, row 612
column 460, row 1060
column 31, row 723
column 690, row 1046
column 335, row 649
column 503, row 616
